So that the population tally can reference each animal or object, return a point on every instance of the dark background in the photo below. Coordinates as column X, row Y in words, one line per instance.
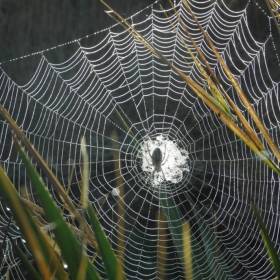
column 32, row 26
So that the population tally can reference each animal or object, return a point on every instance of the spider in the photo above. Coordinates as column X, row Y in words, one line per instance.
column 157, row 162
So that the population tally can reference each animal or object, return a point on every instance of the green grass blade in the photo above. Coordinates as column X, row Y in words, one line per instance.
column 214, row 257
column 175, row 221
column 18, row 133
column 111, row 263
column 27, row 265
column 45, row 258
column 201, row 270
column 161, row 246
column 68, row 203
column 273, row 15
column 70, row 248
column 274, row 257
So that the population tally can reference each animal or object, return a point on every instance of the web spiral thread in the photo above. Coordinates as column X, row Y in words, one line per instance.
column 81, row 97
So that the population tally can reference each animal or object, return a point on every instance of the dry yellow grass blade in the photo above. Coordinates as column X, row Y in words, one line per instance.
column 274, row 8
column 211, row 84
column 148, row 45
column 51, row 242
column 212, row 104
column 249, row 138
column 213, row 87
column 82, row 268
column 84, row 204
column 245, row 124
column 39, row 210
column 15, row 130
column 69, row 185
column 130, row 29
column 33, row 207
column 37, row 244
column 216, row 108
column 237, row 88
column 37, row 157
column 187, row 251
column 243, row 136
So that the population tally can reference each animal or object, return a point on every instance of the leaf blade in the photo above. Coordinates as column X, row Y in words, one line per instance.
column 274, row 257
column 111, row 263
column 45, row 258
column 71, row 250
column 33, row 273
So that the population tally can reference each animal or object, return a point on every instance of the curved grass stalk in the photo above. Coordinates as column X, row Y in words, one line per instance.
column 237, row 88
column 71, row 249
column 213, row 88
column 16, row 131
column 211, row 84
column 218, row 106
column 46, row 259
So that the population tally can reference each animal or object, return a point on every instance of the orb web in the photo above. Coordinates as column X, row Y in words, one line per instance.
column 116, row 76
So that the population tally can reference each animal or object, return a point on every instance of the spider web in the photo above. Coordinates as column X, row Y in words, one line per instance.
column 81, row 96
